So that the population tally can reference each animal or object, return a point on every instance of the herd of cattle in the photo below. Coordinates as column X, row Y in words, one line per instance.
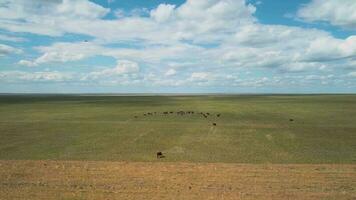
column 181, row 113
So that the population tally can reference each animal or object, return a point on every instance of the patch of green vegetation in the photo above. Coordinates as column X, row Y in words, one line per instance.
column 251, row 128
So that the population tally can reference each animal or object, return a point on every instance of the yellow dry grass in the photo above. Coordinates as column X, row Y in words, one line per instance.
column 138, row 180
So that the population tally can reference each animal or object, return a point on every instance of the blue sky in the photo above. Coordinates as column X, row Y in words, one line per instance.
column 177, row 46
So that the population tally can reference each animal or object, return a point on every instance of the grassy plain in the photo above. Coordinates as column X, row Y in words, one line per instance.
column 92, row 147
column 251, row 129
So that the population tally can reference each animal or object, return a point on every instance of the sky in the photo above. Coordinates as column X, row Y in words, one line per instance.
column 177, row 46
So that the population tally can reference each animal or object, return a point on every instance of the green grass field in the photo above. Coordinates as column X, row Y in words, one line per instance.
column 251, row 129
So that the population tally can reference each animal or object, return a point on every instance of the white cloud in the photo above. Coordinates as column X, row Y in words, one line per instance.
column 170, row 72
column 46, row 76
column 201, row 77
column 328, row 48
column 47, row 17
column 64, row 52
column 336, row 12
column 11, row 38
column 6, row 50
column 206, row 39
column 27, row 63
column 163, row 12
column 123, row 68
column 126, row 67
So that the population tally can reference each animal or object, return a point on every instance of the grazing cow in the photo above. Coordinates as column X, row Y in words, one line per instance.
column 136, row 117
column 144, row 114
column 181, row 113
column 208, row 113
column 218, row 115
column 291, row 120
column 171, row 112
column 214, row 124
column 205, row 116
column 160, row 155
column 165, row 113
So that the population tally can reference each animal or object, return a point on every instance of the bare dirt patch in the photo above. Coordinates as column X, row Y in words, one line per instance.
column 130, row 180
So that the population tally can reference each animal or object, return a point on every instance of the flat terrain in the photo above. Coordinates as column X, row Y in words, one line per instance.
column 104, row 147
column 251, row 129
column 128, row 180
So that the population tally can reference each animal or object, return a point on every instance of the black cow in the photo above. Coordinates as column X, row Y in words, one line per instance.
column 214, row 124
column 136, row 117
column 218, row 115
column 160, row 155
column 291, row 120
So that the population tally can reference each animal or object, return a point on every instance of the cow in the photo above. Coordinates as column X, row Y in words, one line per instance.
column 160, row 154
column 291, row 120
column 181, row 113
column 218, row 115
column 214, row 124
column 208, row 113
column 136, row 117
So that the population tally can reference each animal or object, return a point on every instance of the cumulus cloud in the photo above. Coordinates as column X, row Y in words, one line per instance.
column 11, row 38
column 170, row 72
column 205, row 39
column 123, row 68
column 163, row 12
column 6, row 50
column 44, row 76
column 64, row 52
column 47, row 17
column 200, row 76
column 336, row 12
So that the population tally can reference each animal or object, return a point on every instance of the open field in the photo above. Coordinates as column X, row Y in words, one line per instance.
column 129, row 180
column 113, row 154
column 251, row 129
